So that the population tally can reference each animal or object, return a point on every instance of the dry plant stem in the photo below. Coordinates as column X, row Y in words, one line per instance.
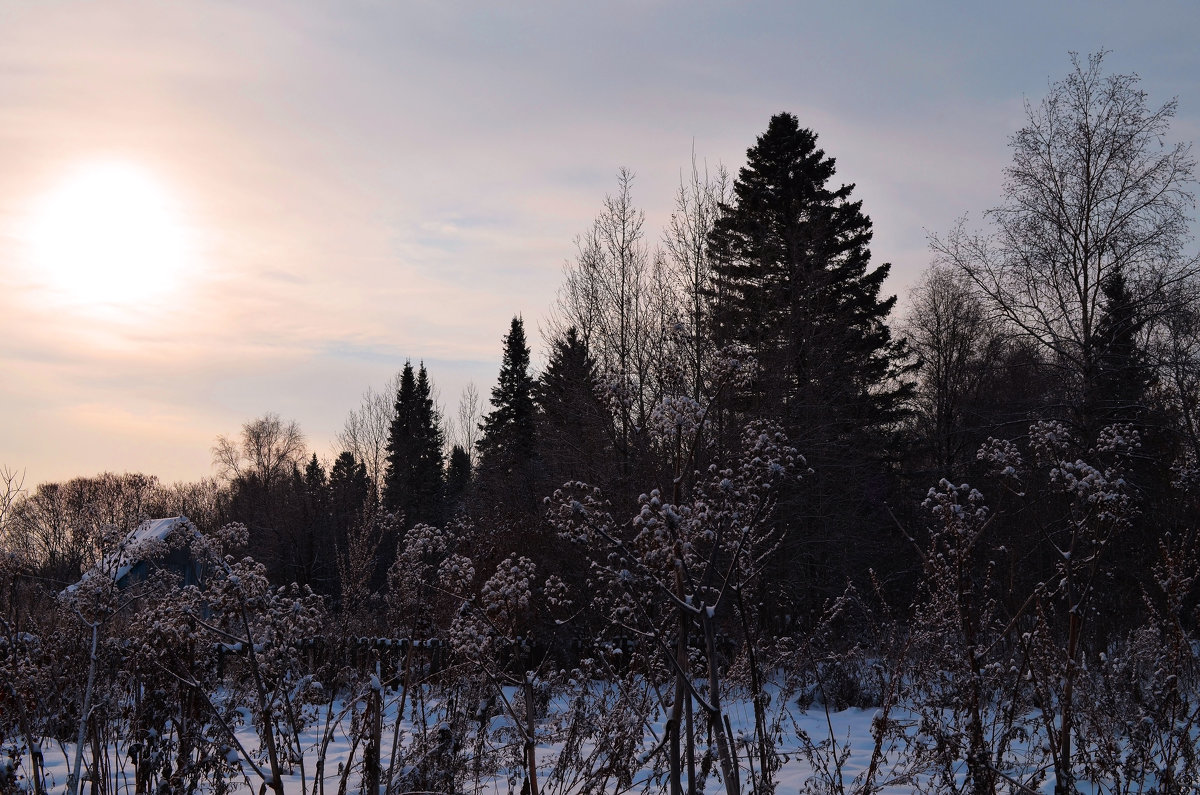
column 326, row 735
column 647, row 726
column 885, row 711
column 374, row 720
column 291, row 716
column 673, row 750
column 978, row 760
column 212, row 708
column 728, row 767
column 530, row 735
column 35, row 753
column 839, row 784
column 399, row 715
column 345, row 778
column 757, row 694
column 264, row 703
column 690, row 733
column 522, row 726
column 681, row 673
column 331, row 724
column 73, row 782
column 1022, row 788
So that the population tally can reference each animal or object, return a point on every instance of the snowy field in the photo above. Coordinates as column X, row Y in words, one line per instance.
column 845, row 732
column 818, row 752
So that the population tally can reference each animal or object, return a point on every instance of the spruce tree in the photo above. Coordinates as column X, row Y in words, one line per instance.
column 1116, row 389
column 794, row 283
column 458, row 474
column 312, row 549
column 574, row 438
column 401, row 446
column 349, row 491
column 413, row 479
column 315, row 485
column 507, row 431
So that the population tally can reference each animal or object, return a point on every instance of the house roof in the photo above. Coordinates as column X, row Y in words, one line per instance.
column 132, row 549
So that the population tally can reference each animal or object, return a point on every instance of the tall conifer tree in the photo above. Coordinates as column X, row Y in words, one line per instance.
column 507, row 430
column 1115, row 390
column 350, row 490
column 413, row 480
column 458, row 475
column 574, row 427
column 794, row 282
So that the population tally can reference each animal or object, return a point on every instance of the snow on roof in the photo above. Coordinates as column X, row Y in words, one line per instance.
column 132, row 549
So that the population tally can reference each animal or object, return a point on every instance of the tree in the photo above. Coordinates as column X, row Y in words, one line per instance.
column 267, row 451
column 465, row 431
column 794, row 283
column 506, row 439
column 312, row 556
column 959, row 347
column 574, row 439
column 687, row 241
column 458, row 473
column 608, row 296
column 1123, row 373
column 1177, row 355
column 795, row 290
column 350, row 491
column 413, row 479
column 1095, row 192
column 367, row 428
column 62, row 526
column 266, row 491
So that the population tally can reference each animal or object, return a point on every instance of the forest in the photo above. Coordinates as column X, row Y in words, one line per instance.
column 744, row 489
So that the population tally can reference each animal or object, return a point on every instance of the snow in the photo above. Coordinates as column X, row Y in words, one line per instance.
column 851, row 729
column 132, row 549
column 807, row 752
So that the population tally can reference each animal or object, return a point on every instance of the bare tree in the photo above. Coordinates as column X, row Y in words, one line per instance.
column 1094, row 192
column 12, row 486
column 464, row 430
column 606, row 297
column 64, row 526
column 697, row 207
column 957, row 343
column 267, row 449
column 365, row 432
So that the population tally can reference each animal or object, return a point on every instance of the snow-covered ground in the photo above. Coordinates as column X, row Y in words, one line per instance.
column 848, row 731
column 819, row 751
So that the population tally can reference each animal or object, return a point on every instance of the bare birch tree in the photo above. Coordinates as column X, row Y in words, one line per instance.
column 365, row 432
column 606, row 296
column 1095, row 191
column 267, row 449
column 697, row 207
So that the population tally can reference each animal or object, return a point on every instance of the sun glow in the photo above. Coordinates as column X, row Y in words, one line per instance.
column 109, row 235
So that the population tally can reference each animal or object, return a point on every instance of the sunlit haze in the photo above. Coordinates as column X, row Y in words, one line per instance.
column 108, row 235
column 214, row 210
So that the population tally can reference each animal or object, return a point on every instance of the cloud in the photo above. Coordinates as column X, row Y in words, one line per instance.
column 369, row 182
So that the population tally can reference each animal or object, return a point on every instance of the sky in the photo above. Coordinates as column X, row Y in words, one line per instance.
column 303, row 195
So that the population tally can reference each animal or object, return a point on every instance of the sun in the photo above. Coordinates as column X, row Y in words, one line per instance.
column 108, row 235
